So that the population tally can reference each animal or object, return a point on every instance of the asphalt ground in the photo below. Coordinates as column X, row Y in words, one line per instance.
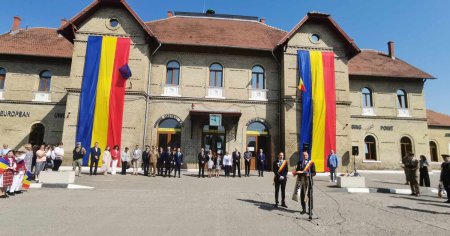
column 138, row 205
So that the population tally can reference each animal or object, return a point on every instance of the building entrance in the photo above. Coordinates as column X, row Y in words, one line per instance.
column 258, row 138
column 37, row 134
column 213, row 138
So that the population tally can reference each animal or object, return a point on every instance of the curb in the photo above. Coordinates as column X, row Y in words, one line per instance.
column 63, row 186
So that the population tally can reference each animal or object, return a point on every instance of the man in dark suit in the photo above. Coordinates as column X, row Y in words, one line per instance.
column 260, row 159
column 95, row 155
column 445, row 175
column 280, row 169
column 303, row 180
column 201, row 162
column 146, row 159
column 160, row 162
column 168, row 161
column 178, row 159
column 236, row 162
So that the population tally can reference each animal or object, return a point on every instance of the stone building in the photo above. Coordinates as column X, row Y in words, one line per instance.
column 190, row 68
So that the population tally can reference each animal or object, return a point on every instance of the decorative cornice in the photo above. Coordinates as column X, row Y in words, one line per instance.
column 60, row 103
column 388, row 118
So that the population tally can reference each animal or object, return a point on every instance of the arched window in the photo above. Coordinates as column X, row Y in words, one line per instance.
column 367, row 101
column 405, row 145
column 216, row 75
column 258, row 78
column 173, row 73
column 2, row 78
column 402, row 100
column 370, row 148
column 45, row 79
column 433, row 151
column 257, row 128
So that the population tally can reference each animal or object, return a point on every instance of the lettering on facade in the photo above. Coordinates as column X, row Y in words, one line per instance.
column 168, row 116
column 15, row 114
column 59, row 115
column 387, row 128
column 356, row 127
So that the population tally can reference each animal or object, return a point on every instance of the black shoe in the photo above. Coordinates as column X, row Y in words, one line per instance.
column 3, row 196
column 11, row 194
column 18, row 192
column 302, row 212
column 284, row 205
column 276, row 205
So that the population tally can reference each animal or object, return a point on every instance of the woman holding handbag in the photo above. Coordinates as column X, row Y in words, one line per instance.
column 115, row 155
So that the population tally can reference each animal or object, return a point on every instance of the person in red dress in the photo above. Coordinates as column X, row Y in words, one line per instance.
column 8, row 174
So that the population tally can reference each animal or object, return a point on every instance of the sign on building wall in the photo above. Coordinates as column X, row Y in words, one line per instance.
column 14, row 114
column 215, row 120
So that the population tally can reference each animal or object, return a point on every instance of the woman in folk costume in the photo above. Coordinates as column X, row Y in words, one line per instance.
column 20, row 172
column 8, row 173
column 305, row 168
column 106, row 160
column 115, row 155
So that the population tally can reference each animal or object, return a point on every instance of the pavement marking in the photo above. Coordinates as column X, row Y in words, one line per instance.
column 358, row 190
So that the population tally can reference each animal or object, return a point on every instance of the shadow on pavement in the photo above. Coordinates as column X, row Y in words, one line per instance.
column 444, row 204
column 419, row 210
column 416, row 199
column 267, row 206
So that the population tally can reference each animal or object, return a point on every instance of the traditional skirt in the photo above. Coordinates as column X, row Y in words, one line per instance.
column 8, row 176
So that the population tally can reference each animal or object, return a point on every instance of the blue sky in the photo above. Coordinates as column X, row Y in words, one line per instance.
column 420, row 29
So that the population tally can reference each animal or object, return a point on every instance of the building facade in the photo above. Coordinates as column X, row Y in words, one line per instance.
column 191, row 68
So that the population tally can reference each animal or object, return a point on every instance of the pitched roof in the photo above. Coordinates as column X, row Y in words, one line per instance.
column 374, row 63
column 327, row 19
column 217, row 32
column 44, row 42
column 437, row 119
column 68, row 29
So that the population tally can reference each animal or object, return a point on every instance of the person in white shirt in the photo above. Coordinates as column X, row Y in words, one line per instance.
column 106, row 160
column 125, row 159
column 227, row 163
column 135, row 158
column 59, row 156
column 4, row 150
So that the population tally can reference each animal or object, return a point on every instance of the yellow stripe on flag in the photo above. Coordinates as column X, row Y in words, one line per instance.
column 100, row 128
column 319, row 110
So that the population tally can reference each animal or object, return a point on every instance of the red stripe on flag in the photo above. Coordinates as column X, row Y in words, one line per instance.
column 330, row 101
column 116, row 102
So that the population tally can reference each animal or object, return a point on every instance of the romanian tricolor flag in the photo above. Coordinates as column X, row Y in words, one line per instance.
column 25, row 183
column 102, row 93
column 318, row 123
column 4, row 164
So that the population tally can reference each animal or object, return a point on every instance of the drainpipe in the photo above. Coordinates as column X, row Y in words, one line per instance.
column 147, row 97
column 279, row 104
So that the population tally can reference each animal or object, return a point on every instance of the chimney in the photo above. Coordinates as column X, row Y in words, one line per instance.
column 391, row 49
column 169, row 14
column 63, row 22
column 16, row 23
column 262, row 20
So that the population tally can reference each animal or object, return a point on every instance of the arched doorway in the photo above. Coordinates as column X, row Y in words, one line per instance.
column 213, row 138
column 406, row 146
column 169, row 133
column 37, row 134
column 433, row 151
column 258, row 137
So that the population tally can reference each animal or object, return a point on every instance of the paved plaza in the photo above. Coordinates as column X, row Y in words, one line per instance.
column 137, row 205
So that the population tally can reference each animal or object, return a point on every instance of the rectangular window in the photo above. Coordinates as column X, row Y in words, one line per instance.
column 44, row 85
column 173, row 76
column 370, row 151
column 215, row 78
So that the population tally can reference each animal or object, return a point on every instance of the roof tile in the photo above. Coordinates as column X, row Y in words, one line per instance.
column 43, row 42
column 217, row 32
column 374, row 63
column 437, row 119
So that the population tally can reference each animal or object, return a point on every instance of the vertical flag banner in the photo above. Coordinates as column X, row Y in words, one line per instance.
column 318, row 123
column 102, row 93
